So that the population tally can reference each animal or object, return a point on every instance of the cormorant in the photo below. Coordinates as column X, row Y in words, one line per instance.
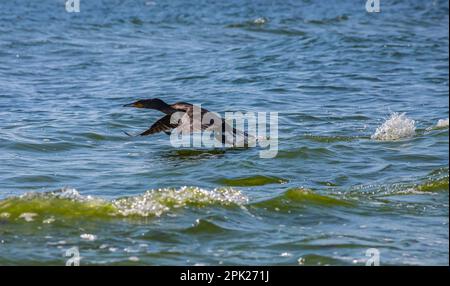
column 184, row 113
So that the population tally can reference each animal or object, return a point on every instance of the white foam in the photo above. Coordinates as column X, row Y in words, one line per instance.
column 442, row 123
column 49, row 220
column 28, row 216
column 5, row 215
column 150, row 203
column 133, row 258
column 396, row 127
column 157, row 202
column 88, row 236
column 260, row 21
column 64, row 193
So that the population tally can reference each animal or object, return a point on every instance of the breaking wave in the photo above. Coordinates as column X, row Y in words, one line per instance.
column 69, row 203
column 157, row 202
column 436, row 182
column 441, row 124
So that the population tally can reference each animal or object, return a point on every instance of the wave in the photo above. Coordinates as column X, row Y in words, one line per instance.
column 305, row 152
column 157, row 202
column 252, row 181
column 434, row 185
column 436, row 182
column 441, row 124
column 396, row 127
column 203, row 226
column 69, row 203
column 428, row 187
column 300, row 197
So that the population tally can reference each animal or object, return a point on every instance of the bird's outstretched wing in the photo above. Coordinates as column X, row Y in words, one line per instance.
column 162, row 125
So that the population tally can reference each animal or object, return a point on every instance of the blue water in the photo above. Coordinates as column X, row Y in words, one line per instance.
column 332, row 71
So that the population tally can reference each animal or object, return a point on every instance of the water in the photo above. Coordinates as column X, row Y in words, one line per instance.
column 70, row 178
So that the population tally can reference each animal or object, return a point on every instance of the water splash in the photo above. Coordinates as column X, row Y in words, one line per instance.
column 88, row 237
column 396, row 127
column 442, row 123
column 28, row 216
column 260, row 21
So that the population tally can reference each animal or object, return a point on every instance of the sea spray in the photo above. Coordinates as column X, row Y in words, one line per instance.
column 396, row 127
column 442, row 123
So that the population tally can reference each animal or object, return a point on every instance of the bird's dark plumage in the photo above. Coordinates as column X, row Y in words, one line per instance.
column 181, row 114
column 162, row 125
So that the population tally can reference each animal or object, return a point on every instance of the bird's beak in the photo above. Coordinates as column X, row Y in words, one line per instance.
column 134, row 104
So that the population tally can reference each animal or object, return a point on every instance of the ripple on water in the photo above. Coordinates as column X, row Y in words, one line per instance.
column 305, row 153
column 326, row 21
column 45, row 147
column 94, row 136
column 259, row 25
column 203, row 226
column 193, row 153
column 332, row 139
column 250, row 23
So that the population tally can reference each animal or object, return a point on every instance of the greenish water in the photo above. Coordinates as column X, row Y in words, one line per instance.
column 350, row 174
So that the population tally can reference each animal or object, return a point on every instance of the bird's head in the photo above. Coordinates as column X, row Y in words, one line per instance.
column 153, row 103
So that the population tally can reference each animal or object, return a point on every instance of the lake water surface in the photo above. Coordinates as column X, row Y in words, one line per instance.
column 69, row 177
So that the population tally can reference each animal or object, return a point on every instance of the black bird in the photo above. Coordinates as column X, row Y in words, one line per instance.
column 182, row 114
